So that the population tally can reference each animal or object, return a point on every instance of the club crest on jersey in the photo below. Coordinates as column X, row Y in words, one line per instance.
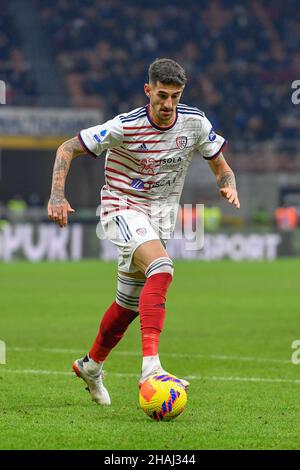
column 147, row 165
column 142, row 232
column 181, row 142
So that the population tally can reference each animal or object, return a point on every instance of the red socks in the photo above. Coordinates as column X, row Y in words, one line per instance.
column 112, row 328
column 152, row 315
column 152, row 311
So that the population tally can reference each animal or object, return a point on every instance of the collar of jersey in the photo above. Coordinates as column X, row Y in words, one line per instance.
column 158, row 127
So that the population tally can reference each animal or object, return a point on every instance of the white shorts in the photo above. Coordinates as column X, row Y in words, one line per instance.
column 127, row 231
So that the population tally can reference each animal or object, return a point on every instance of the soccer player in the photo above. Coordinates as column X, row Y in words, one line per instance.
column 148, row 152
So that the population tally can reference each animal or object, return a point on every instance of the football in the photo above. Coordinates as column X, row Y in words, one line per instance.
column 163, row 397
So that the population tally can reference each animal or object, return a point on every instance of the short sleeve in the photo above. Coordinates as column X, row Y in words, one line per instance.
column 210, row 144
column 102, row 137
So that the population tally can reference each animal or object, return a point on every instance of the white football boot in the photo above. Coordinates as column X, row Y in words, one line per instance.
column 95, row 386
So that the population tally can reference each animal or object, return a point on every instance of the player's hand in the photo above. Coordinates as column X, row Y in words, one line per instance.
column 58, row 210
column 231, row 195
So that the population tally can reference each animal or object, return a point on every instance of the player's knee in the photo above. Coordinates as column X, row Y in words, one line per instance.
column 160, row 265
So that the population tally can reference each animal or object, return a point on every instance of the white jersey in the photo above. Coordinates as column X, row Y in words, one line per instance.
column 146, row 164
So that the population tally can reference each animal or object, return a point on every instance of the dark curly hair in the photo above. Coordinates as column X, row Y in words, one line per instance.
column 167, row 71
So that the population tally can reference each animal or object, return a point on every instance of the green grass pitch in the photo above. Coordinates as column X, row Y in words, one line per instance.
column 229, row 329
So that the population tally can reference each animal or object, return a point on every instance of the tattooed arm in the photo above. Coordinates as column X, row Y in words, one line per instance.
column 225, row 179
column 58, row 206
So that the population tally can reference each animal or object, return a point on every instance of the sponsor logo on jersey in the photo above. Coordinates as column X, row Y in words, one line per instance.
column 212, row 135
column 181, row 142
column 164, row 182
column 169, row 162
column 137, row 184
column 147, row 165
column 142, row 231
column 99, row 137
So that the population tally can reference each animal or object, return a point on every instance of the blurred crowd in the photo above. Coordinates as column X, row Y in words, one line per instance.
column 15, row 68
column 240, row 57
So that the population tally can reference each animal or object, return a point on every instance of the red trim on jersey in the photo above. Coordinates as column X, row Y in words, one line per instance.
column 130, row 194
column 159, row 127
column 111, row 198
column 132, row 142
column 116, row 210
column 151, row 151
column 213, row 157
column 109, row 160
column 123, row 152
column 122, row 164
column 128, row 184
column 85, row 148
column 126, row 151
column 118, row 206
column 124, row 174
column 137, row 127
column 128, row 209
column 143, row 133
column 117, row 179
column 137, row 162
column 118, row 172
column 118, row 154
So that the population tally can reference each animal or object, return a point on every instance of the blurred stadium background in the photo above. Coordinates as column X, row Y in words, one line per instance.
column 68, row 65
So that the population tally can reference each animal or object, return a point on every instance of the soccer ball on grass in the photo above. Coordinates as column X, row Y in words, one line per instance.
column 163, row 397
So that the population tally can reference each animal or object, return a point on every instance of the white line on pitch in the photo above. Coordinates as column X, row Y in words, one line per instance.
column 217, row 357
column 188, row 377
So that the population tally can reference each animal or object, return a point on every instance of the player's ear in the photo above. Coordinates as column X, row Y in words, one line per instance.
column 147, row 89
